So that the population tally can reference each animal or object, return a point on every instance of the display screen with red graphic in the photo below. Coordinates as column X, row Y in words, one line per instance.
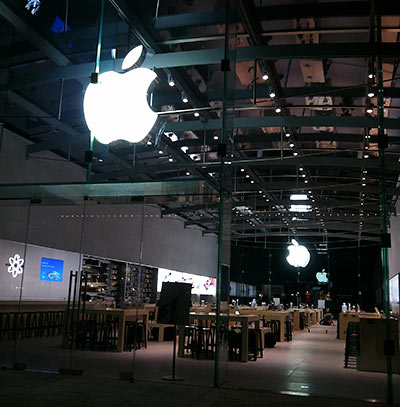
column 200, row 284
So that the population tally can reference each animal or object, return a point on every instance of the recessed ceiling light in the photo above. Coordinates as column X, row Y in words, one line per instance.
column 298, row 197
column 196, row 114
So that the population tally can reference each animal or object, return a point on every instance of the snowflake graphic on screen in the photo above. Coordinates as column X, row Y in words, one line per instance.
column 33, row 6
column 15, row 265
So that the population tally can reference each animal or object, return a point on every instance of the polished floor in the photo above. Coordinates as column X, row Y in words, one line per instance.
column 310, row 365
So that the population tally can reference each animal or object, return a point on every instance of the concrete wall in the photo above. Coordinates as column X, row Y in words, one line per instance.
column 41, row 167
column 394, row 251
column 114, row 231
column 33, row 288
column 110, row 231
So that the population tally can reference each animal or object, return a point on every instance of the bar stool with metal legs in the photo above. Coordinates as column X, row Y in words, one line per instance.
column 288, row 331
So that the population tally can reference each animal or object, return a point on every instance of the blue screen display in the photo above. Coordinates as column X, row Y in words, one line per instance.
column 51, row 269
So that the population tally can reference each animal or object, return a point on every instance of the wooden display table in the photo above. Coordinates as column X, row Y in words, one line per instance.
column 296, row 319
column 372, row 336
column 161, row 329
column 280, row 316
column 244, row 321
column 32, row 306
column 123, row 315
column 345, row 318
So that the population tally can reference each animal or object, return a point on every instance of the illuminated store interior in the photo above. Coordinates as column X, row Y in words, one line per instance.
column 200, row 195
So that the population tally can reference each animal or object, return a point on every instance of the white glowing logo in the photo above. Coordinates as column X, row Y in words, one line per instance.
column 15, row 265
column 299, row 256
column 116, row 107
column 322, row 277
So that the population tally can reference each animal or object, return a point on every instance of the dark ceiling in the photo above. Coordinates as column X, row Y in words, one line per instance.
column 318, row 56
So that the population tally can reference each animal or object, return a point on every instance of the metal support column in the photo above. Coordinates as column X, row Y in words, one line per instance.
column 383, row 208
column 222, row 153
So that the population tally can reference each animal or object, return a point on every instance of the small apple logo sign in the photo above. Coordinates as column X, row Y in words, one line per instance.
column 322, row 277
column 299, row 256
column 116, row 107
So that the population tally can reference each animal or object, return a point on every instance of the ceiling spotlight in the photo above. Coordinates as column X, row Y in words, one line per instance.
column 303, row 175
column 364, row 184
column 272, row 94
column 170, row 159
column 291, row 145
column 170, row 80
column 160, row 152
column 366, row 155
column 196, row 114
column 252, row 182
column 265, row 76
column 295, row 153
column 187, row 173
column 371, row 92
column 184, row 97
column 301, row 169
column 278, row 109
column 247, row 176
column 242, row 170
column 306, row 181
column 370, row 108
column 287, row 134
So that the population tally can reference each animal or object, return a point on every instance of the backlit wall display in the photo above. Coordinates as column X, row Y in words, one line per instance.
column 252, row 291
column 232, row 288
column 51, row 269
column 394, row 287
column 200, row 284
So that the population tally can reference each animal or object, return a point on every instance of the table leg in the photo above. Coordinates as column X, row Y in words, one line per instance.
column 245, row 342
column 121, row 332
column 181, row 345
column 282, row 330
column 146, row 325
column 160, row 334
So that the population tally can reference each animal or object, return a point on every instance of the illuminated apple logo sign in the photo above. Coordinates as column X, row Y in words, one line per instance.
column 116, row 107
column 15, row 265
column 322, row 277
column 299, row 256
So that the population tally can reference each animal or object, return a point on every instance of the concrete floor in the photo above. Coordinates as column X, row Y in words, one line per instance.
column 309, row 366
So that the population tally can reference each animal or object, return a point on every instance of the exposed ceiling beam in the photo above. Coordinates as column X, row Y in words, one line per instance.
column 314, row 161
column 277, row 121
column 168, row 60
column 285, row 12
column 351, row 236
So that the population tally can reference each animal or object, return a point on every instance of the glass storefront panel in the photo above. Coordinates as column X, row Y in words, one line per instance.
column 14, row 215
column 50, row 250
